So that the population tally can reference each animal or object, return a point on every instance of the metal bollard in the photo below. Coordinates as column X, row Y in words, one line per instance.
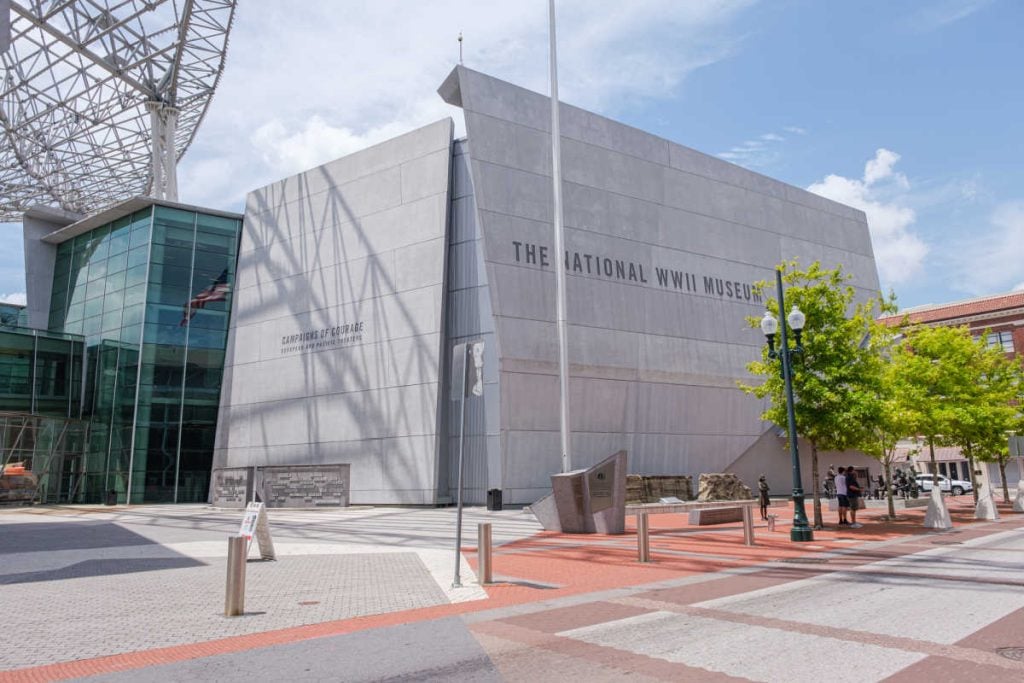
column 748, row 525
column 643, row 537
column 483, row 553
column 234, row 599
column 771, row 522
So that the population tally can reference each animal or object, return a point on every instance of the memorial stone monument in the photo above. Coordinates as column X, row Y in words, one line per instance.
column 587, row 501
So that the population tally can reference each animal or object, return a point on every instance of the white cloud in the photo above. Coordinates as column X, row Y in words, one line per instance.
column 796, row 130
column 945, row 12
column 882, row 194
column 758, row 153
column 15, row 298
column 301, row 88
column 880, row 168
column 990, row 261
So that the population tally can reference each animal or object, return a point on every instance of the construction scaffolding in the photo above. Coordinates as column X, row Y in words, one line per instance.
column 50, row 448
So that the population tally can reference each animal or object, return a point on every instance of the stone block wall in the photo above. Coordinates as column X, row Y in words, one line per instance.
column 305, row 486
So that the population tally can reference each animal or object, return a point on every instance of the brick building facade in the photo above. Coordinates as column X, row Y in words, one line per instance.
column 999, row 319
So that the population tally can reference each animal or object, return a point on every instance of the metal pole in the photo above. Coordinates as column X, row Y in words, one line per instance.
column 560, row 312
column 457, row 581
column 643, row 537
column 483, row 553
column 801, row 530
column 234, row 599
column 748, row 525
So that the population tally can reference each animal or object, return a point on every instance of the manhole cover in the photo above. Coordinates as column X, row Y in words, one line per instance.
column 1014, row 653
column 309, row 602
column 804, row 560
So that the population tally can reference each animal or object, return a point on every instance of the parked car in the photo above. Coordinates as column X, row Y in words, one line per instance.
column 955, row 486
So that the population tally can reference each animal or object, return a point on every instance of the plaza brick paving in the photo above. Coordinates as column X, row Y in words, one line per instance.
column 901, row 602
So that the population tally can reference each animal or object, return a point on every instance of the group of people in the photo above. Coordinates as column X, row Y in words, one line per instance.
column 842, row 483
column 849, row 494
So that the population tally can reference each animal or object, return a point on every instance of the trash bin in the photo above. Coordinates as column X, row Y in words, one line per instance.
column 494, row 499
column 111, row 497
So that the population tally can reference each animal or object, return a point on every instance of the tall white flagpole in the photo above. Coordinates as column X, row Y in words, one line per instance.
column 560, row 313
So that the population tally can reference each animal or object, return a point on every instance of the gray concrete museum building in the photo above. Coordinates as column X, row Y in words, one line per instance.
column 355, row 280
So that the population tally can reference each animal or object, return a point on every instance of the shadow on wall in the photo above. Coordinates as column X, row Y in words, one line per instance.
column 313, row 274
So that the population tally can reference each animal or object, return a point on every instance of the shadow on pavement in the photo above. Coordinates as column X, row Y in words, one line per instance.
column 100, row 568
column 39, row 537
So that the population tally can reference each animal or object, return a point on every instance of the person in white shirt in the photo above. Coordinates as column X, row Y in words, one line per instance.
column 844, row 502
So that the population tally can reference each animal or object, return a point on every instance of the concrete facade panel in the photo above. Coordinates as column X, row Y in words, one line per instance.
column 655, row 356
column 423, row 243
column 336, row 341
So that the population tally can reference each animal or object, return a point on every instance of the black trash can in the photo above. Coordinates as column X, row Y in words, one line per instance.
column 111, row 497
column 494, row 499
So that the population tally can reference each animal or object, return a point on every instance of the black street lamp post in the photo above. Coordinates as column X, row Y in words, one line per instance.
column 801, row 530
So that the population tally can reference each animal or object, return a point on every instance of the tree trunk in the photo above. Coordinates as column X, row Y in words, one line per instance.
column 935, row 468
column 974, row 480
column 1002, row 475
column 818, row 522
column 888, row 489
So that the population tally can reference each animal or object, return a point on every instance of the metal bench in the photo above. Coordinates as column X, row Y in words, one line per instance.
column 642, row 510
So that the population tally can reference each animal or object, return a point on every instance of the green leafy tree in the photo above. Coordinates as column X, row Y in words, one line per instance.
column 932, row 383
column 888, row 421
column 983, row 421
column 836, row 377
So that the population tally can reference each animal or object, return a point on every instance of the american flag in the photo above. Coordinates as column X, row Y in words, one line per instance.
column 217, row 291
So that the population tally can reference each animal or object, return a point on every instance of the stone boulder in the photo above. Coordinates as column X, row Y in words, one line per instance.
column 722, row 487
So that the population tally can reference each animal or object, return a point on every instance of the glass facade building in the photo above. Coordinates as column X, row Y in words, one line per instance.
column 149, row 292
column 41, row 423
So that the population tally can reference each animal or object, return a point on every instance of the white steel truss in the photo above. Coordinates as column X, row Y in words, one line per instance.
column 99, row 99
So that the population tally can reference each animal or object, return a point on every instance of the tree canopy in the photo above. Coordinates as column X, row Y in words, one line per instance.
column 836, row 379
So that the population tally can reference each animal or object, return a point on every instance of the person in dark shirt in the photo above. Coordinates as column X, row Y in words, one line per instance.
column 762, row 487
column 853, row 494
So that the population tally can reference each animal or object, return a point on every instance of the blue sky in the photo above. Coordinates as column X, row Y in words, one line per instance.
column 909, row 110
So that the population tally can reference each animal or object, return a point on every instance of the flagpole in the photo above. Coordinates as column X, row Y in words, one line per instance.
column 560, row 313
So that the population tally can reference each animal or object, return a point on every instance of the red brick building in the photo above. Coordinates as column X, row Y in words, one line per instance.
column 1000, row 320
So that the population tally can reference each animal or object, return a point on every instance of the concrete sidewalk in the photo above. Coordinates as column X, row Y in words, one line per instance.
column 364, row 594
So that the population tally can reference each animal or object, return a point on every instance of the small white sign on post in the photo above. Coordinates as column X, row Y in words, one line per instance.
column 255, row 523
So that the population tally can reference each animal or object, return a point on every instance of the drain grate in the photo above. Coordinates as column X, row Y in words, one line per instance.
column 947, row 542
column 804, row 560
column 1014, row 653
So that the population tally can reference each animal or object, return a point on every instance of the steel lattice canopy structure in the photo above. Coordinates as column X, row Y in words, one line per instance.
column 100, row 98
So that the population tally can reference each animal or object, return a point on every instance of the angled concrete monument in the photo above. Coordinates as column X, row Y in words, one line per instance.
column 937, row 516
column 986, row 507
column 587, row 501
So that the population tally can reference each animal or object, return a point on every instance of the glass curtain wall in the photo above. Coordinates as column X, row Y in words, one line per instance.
column 40, row 406
column 151, row 294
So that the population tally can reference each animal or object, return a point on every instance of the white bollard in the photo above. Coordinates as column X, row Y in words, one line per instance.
column 771, row 522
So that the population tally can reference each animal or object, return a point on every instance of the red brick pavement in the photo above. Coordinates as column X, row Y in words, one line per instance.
column 575, row 565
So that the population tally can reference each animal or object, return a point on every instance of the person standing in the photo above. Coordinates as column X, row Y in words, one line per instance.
column 853, row 496
column 830, row 482
column 844, row 503
column 762, row 487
